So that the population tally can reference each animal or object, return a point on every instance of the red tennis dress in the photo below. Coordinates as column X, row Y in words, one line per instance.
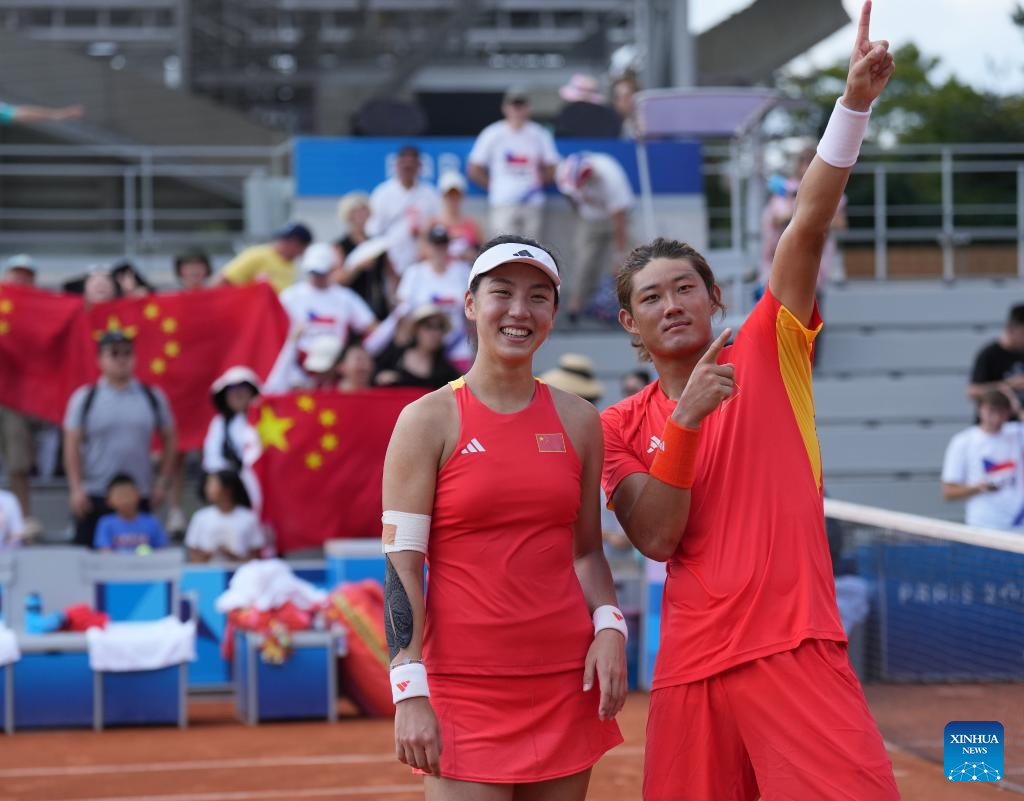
column 507, row 625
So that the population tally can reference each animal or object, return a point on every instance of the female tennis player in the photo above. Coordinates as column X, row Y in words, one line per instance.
column 716, row 469
column 495, row 479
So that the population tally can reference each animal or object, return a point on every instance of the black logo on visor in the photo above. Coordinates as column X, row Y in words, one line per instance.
column 525, row 253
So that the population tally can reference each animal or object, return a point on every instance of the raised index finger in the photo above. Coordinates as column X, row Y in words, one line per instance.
column 863, row 36
column 711, row 354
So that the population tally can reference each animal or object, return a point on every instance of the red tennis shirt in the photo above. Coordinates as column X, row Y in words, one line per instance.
column 752, row 574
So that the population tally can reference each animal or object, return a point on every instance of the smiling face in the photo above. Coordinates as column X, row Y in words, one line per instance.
column 670, row 308
column 514, row 311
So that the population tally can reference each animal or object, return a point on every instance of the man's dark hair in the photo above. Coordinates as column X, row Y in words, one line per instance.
column 505, row 239
column 194, row 254
column 408, row 150
column 121, row 479
column 643, row 374
column 1016, row 316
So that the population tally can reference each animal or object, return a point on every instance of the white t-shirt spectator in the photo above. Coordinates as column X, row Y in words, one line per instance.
column 12, row 525
column 336, row 311
column 237, row 532
column 245, row 441
column 514, row 160
column 973, row 456
column 421, row 285
column 606, row 192
column 402, row 214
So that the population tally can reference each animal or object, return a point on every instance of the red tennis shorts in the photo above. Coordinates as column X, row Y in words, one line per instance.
column 519, row 729
column 792, row 726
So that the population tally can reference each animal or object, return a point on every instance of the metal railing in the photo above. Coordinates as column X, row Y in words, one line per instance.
column 946, row 222
column 137, row 221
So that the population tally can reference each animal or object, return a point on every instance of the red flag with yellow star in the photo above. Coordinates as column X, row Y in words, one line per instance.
column 323, row 461
column 185, row 340
column 44, row 350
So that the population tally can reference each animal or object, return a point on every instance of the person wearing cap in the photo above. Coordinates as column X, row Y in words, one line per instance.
column 192, row 268
column 494, row 479
column 514, row 159
column 368, row 273
column 108, row 428
column 463, row 230
column 320, row 363
column 401, row 207
column 601, row 195
column 441, row 281
column 273, row 262
column 18, row 430
column 575, row 374
column 420, row 362
column 317, row 307
column 232, row 442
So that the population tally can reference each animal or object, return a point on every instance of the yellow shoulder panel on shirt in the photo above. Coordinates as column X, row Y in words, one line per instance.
column 458, row 383
column 794, row 343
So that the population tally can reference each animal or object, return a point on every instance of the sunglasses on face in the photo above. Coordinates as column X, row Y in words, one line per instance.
column 120, row 353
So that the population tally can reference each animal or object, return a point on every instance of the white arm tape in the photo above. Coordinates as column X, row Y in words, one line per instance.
column 610, row 617
column 840, row 144
column 409, row 681
column 405, row 531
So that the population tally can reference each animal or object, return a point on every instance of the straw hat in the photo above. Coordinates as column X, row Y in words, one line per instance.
column 575, row 374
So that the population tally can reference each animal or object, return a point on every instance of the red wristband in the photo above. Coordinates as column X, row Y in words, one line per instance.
column 676, row 461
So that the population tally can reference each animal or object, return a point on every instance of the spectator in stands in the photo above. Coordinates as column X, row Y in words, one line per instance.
column 12, row 523
column 634, row 381
column 99, row 287
column 355, row 368
column 463, row 230
column 232, row 442
column 599, row 191
column 11, row 113
column 368, row 273
column 1000, row 364
column 421, row 361
column 130, row 282
column 192, row 269
column 586, row 112
column 514, row 159
column 317, row 307
column 273, row 262
column 776, row 216
column 623, row 92
column 575, row 374
column 983, row 466
column 126, row 529
column 227, row 529
column 441, row 281
column 320, row 363
column 17, row 430
column 401, row 207
column 108, row 428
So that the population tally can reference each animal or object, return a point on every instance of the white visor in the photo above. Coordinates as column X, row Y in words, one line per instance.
column 515, row 252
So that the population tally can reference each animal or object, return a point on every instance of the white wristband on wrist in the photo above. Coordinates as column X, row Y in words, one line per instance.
column 610, row 617
column 840, row 144
column 409, row 681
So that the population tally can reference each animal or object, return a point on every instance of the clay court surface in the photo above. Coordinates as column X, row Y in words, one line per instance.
column 217, row 759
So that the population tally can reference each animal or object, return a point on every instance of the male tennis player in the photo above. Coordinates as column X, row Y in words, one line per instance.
column 716, row 469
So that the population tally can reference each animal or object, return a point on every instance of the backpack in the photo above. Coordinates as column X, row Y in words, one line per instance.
column 90, row 397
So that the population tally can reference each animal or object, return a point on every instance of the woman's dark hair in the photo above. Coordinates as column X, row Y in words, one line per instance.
column 195, row 254
column 232, row 484
column 125, row 266
column 662, row 248
column 505, row 239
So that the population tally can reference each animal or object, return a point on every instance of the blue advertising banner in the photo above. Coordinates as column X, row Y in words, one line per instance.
column 329, row 167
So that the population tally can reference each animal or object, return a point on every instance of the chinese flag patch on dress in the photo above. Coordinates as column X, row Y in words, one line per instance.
column 550, row 443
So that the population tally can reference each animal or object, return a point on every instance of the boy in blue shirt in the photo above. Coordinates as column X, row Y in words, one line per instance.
column 127, row 530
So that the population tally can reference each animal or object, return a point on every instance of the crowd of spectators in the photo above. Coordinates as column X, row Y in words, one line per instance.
column 376, row 303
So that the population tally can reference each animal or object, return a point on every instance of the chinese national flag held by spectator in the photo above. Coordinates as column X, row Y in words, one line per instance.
column 44, row 350
column 323, row 460
column 185, row 340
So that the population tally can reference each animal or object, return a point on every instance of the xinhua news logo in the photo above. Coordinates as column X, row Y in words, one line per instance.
column 973, row 751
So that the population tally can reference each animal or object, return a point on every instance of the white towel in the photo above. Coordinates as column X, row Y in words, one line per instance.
column 268, row 584
column 9, row 652
column 123, row 647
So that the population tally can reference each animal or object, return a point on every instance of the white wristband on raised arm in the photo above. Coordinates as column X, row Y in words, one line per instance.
column 840, row 144
column 610, row 617
column 409, row 681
